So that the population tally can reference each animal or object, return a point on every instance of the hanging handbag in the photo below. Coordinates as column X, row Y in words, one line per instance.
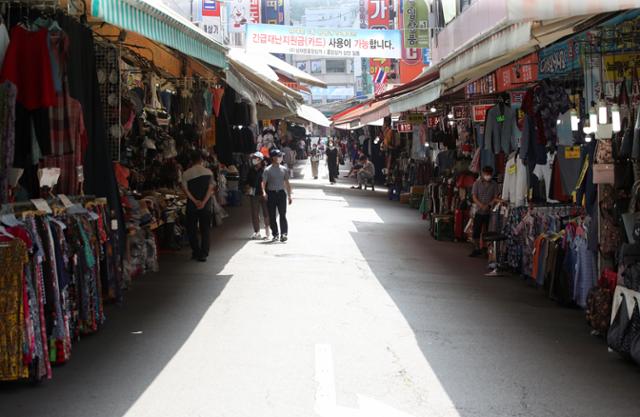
column 632, row 331
column 618, row 327
column 610, row 233
column 598, row 312
column 604, row 152
column 603, row 168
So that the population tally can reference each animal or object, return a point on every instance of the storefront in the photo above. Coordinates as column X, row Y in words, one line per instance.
column 557, row 127
column 101, row 112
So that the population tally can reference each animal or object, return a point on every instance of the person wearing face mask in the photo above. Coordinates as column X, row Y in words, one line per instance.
column 254, row 191
column 277, row 189
column 332, row 162
column 485, row 194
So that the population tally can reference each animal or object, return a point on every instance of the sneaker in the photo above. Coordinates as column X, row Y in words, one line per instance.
column 275, row 238
column 284, row 237
column 256, row 236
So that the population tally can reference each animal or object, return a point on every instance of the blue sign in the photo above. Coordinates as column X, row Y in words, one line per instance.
column 426, row 56
column 560, row 59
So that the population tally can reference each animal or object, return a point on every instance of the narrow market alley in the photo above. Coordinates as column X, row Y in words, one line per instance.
column 361, row 313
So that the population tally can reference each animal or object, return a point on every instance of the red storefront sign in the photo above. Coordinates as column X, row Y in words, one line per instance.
column 517, row 74
column 433, row 121
column 480, row 112
column 459, row 112
column 379, row 18
column 405, row 127
column 483, row 86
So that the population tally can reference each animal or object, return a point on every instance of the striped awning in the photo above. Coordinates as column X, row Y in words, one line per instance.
column 156, row 21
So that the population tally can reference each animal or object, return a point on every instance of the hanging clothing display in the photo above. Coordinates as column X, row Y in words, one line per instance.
column 498, row 133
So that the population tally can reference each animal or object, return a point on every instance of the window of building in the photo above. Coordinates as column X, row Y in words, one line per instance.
column 316, row 67
column 302, row 66
column 316, row 101
column 336, row 65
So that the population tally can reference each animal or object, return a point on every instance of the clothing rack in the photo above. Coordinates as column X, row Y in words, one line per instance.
column 13, row 208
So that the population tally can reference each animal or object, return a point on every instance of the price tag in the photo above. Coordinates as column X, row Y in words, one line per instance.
column 500, row 118
column 48, row 177
column 42, row 205
column 114, row 224
column 512, row 169
column 65, row 200
column 572, row 152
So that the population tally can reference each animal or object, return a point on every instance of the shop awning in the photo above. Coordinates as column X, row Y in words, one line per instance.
column 505, row 46
column 378, row 110
column 420, row 97
column 430, row 74
column 312, row 115
column 248, row 90
column 156, row 21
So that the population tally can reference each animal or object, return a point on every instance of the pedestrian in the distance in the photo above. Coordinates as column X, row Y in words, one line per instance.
column 485, row 194
column 254, row 191
column 198, row 185
column 332, row 161
column 277, row 190
column 314, row 155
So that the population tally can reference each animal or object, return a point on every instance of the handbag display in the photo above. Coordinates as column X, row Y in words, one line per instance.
column 618, row 328
column 598, row 312
column 604, row 152
column 610, row 233
column 604, row 174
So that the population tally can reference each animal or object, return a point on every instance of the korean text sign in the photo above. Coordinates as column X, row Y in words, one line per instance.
column 359, row 43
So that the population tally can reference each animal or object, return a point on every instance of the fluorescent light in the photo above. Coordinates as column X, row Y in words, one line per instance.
column 575, row 120
column 433, row 109
column 593, row 117
column 602, row 112
column 615, row 118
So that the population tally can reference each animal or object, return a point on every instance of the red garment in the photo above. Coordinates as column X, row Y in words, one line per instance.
column 68, row 142
column 27, row 64
column 217, row 100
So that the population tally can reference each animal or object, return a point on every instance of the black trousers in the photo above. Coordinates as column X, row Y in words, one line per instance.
column 198, row 227
column 277, row 200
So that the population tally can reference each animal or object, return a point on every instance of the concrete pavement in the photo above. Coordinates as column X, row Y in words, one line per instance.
column 409, row 323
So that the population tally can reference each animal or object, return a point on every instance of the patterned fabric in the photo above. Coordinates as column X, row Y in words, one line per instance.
column 13, row 257
column 586, row 274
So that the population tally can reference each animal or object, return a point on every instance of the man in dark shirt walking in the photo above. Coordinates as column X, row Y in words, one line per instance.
column 197, row 183
column 277, row 189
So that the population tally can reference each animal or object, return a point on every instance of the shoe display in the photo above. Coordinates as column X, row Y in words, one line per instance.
column 284, row 238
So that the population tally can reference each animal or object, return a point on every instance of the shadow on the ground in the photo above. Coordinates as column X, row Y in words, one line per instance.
column 497, row 346
column 139, row 338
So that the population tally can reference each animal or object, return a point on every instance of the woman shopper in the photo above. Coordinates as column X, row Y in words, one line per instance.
column 332, row 161
column 254, row 191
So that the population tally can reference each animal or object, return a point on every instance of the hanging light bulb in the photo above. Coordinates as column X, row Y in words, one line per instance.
column 426, row 144
column 450, row 115
column 593, row 117
column 586, row 129
column 587, row 138
column 615, row 118
column 575, row 120
column 602, row 112
column 433, row 109
column 558, row 122
column 451, row 122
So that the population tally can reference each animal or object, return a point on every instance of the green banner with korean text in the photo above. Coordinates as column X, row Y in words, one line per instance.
column 415, row 14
